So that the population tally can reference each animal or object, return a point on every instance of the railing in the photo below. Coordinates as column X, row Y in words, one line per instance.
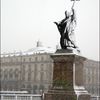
column 20, row 97
column 13, row 92
column 95, row 97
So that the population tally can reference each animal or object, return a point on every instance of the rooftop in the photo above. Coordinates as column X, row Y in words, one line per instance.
column 36, row 50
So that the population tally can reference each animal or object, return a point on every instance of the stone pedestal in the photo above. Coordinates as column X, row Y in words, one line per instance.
column 67, row 78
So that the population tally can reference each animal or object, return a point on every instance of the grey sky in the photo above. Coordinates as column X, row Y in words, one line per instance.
column 23, row 22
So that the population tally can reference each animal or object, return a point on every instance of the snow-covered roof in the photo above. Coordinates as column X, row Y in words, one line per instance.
column 38, row 49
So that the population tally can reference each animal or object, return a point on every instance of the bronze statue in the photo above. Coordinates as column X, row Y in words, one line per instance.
column 66, row 28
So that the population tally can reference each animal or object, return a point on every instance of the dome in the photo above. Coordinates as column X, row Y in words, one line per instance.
column 40, row 49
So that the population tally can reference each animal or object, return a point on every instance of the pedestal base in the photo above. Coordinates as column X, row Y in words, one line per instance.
column 65, row 95
column 67, row 77
column 60, row 95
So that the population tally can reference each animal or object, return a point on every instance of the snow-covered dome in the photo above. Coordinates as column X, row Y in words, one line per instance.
column 40, row 49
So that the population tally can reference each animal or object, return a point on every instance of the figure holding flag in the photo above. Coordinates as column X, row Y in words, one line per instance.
column 66, row 28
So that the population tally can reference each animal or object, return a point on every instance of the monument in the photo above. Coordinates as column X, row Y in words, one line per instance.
column 67, row 81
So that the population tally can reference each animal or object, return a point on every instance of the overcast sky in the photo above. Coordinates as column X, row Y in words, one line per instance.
column 23, row 22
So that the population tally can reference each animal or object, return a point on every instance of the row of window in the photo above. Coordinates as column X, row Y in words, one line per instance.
column 27, row 76
column 27, row 59
column 91, row 71
column 91, row 76
column 9, row 74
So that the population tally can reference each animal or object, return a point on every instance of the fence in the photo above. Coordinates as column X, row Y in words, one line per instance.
column 20, row 97
column 95, row 97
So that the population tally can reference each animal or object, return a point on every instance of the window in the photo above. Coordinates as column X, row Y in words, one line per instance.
column 42, row 58
column 35, row 89
column 35, row 71
column 23, row 86
column 11, row 60
column 29, row 73
column 30, row 59
column 16, row 59
column 16, row 73
column 35, row 58
column 41, row 87
column 41, row 76
column 23, row 72
column 24, row 59
column 0, row 73
column 10, row 73
column 5, row 74
column 42, row 65
column 29, row 86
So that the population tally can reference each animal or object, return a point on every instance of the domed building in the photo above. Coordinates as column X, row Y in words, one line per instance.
column 27, row 71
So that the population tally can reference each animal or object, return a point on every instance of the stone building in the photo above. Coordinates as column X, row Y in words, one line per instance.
column 92, row 77
column 29, row 71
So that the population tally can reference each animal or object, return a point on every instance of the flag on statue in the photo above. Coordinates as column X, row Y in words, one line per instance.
column 75, row 0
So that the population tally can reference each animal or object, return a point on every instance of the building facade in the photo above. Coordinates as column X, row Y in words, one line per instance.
column 28, row 71
column 92, row 77
column 32, row 71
